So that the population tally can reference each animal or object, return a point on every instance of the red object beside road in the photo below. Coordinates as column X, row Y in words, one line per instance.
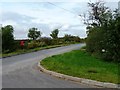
column 21, row 43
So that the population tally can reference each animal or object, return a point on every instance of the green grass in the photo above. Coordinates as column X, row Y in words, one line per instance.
column 78, row 63
column 29, row 50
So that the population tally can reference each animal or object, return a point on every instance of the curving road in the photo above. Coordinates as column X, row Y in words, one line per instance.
column 21, row 71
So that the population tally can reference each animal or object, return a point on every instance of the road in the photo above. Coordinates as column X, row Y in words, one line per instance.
column 21, row 71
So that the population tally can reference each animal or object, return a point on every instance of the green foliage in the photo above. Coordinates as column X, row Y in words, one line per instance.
column 36, row 44
column 112, row 40
column 95, row 40
column 42, row 44
column 32, row 44
column 17, row 45
column 67, row 37
column 55, row 41
column 104, row 36
column 34, row 34
column 47, row 41
column 70, row 38
column 54, row 34
column 7, row 38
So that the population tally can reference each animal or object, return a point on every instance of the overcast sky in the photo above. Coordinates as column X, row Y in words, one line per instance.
column 46, row 16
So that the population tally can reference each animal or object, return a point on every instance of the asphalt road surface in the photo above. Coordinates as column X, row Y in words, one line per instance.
column 21, row 71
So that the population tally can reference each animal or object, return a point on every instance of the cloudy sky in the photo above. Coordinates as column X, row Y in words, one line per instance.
column 46, row 16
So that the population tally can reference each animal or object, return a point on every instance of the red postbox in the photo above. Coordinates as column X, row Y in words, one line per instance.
column 22, row 43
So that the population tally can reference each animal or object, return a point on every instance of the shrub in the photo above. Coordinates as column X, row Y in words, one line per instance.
column 46, row 40
column 42, row 44
column 32, row 44
column 104, row 32
column 55, row 41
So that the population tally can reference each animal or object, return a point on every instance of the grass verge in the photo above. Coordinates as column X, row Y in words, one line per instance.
column 79, row 63
column 30, row 50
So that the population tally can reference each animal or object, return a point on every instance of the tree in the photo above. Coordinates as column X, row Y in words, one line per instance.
column 103, row 32
column 34, row 34
column 99, row 14
column 7, row 38
column 54, row 34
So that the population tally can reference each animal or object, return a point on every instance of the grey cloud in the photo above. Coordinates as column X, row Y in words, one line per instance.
column 21, row 30
column 16, row 17
column 23, row 24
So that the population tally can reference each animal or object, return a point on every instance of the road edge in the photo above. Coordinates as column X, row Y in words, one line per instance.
column 32, row 51
column 76, row 79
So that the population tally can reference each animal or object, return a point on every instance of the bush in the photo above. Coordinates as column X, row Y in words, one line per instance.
column 70, row 38
column 104, row 33
column 94, row 40
column 17, row 44
column 32, row 44
column 55, row 41
column 47, row 41
column 107, row 39
column 42, row 44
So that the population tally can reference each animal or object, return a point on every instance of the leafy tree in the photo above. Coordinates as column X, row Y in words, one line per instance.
column 54, row 34
column 103, row 32
column 99, row 14
column 7, row 38
column 34, row 34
